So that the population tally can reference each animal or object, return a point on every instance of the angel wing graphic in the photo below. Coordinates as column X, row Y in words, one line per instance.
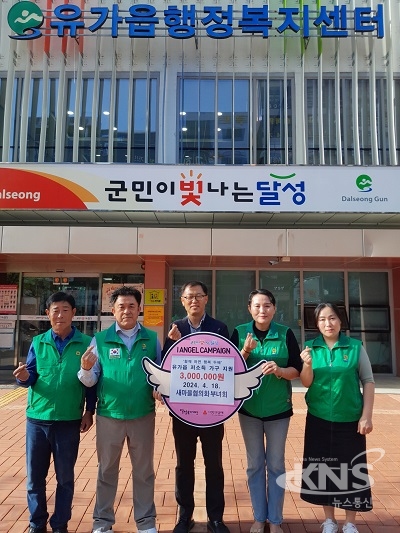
column 156, row 376
column 245, row 382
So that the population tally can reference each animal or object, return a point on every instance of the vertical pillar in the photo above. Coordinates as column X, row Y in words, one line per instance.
column 396, row 314
column 155, row 310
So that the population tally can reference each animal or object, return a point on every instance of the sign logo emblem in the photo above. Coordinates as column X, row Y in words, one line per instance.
column 24, row 18
column 364, row 183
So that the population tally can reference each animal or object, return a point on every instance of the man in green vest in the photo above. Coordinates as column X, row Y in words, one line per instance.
column 125, row 410
column 55, row 418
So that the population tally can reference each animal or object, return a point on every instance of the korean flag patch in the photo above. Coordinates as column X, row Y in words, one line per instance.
column 114, row 353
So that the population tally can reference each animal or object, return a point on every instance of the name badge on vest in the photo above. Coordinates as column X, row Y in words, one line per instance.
column 114, row 353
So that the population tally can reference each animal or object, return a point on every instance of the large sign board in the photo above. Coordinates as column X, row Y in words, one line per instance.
column 203, row 379
column 143, row 21
column 213, row 188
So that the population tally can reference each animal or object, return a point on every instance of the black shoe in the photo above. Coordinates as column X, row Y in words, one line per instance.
column 60, row 530
column 41, row 529
column 217, row 526
column 184, row 525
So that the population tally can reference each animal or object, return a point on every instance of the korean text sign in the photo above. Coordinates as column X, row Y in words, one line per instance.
column 140, row 21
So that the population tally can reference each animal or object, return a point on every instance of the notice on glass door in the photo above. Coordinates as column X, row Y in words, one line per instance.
column 8, row 299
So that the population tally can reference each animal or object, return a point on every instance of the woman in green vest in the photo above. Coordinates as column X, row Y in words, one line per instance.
column 264, row 418
column 338, row 419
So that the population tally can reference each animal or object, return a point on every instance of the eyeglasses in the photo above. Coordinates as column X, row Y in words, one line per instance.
column 196, row 297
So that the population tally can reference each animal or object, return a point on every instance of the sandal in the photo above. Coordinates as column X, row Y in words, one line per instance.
column 257, row 527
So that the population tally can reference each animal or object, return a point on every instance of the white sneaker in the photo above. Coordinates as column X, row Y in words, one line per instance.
column 349, row 528
column 151, row 530
column 329, row 526
column 101, row 531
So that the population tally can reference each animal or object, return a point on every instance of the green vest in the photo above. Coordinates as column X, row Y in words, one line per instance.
column 334, row 394
column 274, row 396
column 122, row 390
column 57, row 394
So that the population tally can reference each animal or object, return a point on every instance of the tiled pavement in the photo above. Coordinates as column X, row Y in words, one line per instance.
column 299, row 516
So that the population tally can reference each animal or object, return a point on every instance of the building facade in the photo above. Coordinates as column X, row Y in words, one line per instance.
column 246, row 145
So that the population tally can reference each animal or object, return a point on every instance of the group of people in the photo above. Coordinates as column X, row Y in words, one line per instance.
column 66, row 371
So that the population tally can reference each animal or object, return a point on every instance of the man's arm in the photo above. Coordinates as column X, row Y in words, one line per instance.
column 224, row 331
column 174, row 334
column 167, row 345
column 90, row 366
column 26, row 374
column 90, row 401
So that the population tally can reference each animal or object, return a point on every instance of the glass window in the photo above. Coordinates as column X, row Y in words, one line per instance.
column 197, row 121
column 382, row 121
column 329, row 125
column 346, row 118
column 37, row 114
column 70, row 120
column 121, row 121
column 233, row 122
column 364, row 124
column 323, row 287
column 141, row 140
column 3, row 84
column 180, row 277
column 10, row 289
column 312, row 122
column 85, row 121
column 365, row 131
column 379, row 349
column 328, row 122
column 123, row 278
column 213, row 121
column 50, row 149
column 368, row 288
column 270, row 122
column 15, row 121
column 285, row 286
column 233, row 289
column 111, row 282
column 370, row 316
column 103, row 120
column 225, row 117
column 36, row 290
column 396, row 109
column 143, row 121
column 35, row 118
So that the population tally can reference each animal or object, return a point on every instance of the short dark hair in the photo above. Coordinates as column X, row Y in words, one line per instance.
column 194, row 283
column 126, row 291
column 264, row 292
column 322, row 306
column 60, row 297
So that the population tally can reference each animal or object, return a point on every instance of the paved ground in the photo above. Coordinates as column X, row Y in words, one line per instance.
column 299, row 517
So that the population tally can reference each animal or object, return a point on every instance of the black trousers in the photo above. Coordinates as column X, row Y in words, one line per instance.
column 185, row 446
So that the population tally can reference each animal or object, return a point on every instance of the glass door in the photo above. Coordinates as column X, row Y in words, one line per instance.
column 35, row 291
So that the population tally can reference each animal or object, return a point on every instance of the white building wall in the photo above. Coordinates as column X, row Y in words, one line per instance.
column 197, row 242
column 167, row 58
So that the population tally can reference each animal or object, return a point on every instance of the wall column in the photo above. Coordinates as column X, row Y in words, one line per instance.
column 156, row 278
column 396, row 314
